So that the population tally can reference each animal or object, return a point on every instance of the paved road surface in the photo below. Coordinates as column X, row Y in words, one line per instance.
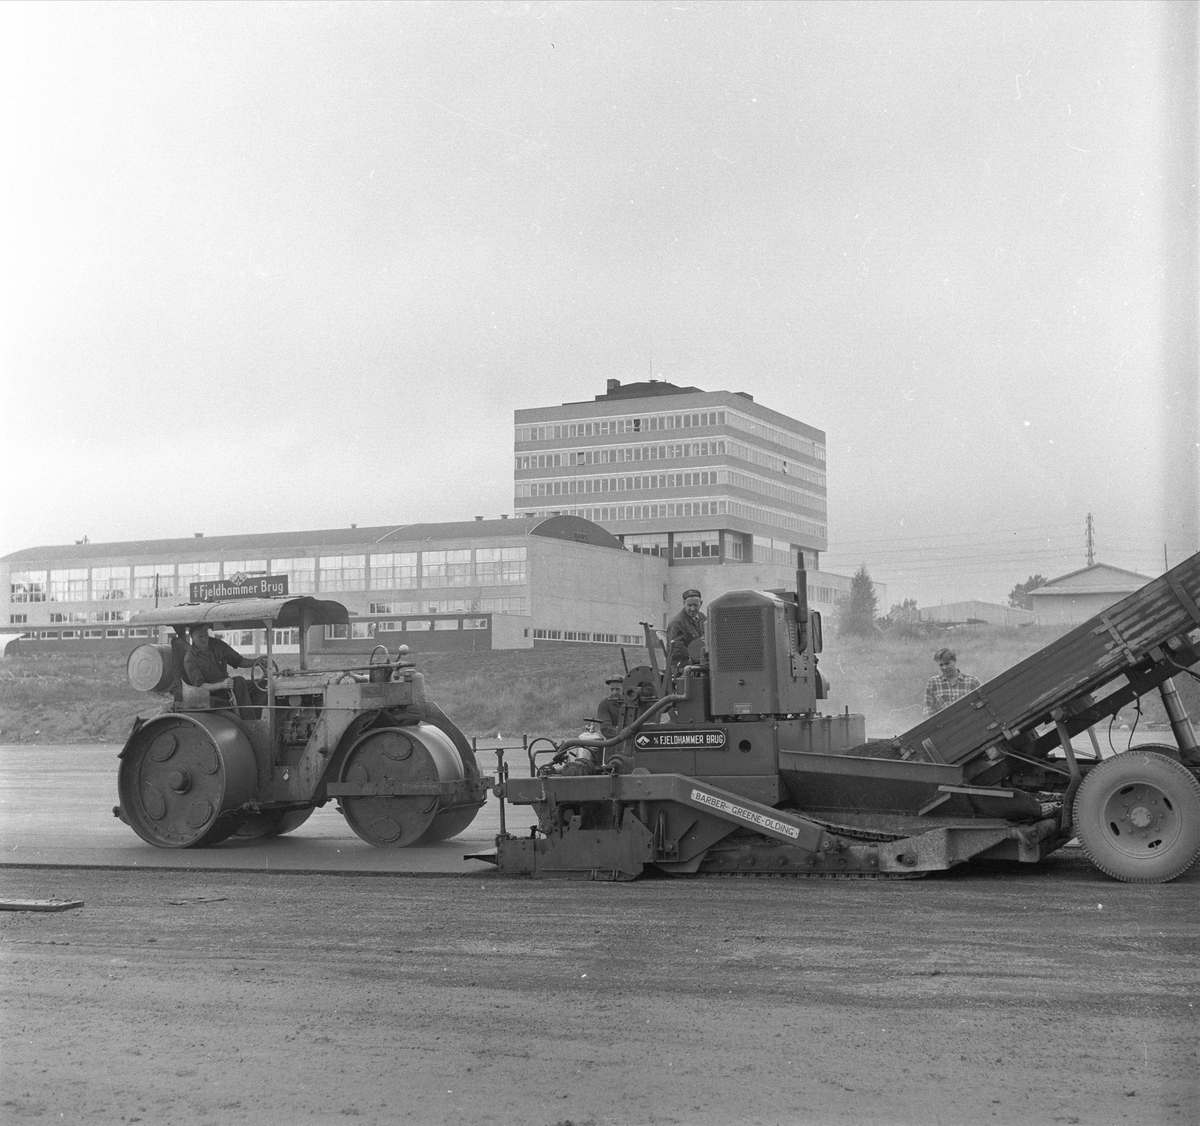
column 56, row 807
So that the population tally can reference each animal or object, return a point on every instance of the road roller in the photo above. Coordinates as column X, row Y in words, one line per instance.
column 212, row 767
column 731, row 769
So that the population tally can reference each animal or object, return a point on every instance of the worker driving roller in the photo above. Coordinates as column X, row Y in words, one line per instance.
column 204, row 665
column 687, row 626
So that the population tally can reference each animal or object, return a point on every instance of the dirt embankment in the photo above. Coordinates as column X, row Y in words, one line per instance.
column 81, row 698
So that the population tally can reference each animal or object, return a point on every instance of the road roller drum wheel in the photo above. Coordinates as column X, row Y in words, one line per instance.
column 1138, row 817
column 271, row 823
column 394, row 758
column 183, row 781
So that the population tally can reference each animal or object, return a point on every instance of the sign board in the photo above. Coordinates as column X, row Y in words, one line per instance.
column 239, row 586
column 712, row 739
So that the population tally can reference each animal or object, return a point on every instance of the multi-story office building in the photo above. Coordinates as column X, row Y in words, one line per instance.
column 699, row 478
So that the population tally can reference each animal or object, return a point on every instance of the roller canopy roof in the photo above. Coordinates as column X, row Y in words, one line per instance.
column 248, row 613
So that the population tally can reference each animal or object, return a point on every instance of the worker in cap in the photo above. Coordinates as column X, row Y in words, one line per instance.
column 204, row 666
column 687, row 626
column 608, row 711
column 949, row 684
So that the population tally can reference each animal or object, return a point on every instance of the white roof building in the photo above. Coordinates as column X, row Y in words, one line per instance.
column 1082, row 594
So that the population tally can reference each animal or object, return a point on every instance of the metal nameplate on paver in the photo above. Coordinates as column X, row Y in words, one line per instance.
column 710, row 740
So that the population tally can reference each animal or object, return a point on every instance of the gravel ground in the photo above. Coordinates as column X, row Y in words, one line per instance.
column 1002, row 995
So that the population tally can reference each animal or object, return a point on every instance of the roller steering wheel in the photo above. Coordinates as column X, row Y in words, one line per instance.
column 258, row 673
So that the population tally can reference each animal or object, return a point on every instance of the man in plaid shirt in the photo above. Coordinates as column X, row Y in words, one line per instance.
column 949, row 685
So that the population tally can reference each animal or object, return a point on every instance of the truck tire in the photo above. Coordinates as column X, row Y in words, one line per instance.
column 1138, row 817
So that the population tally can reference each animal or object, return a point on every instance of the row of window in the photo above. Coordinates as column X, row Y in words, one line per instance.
column 784, row 438
column 689, row 508
column 643, row 424
column 572, row 485
column 597, row 428
column 366, row 630
column 774, row 462
column 585, row 635
column 618, row 455
column 453, row 606
column 569, row 486
column 86, row 634
column 483, row 566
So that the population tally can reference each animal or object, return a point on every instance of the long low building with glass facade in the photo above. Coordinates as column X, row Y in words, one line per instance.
column 480, row 584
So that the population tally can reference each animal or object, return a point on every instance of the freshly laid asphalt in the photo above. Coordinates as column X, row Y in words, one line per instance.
column 56, row 810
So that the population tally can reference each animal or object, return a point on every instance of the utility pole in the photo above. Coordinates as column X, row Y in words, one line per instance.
column 1091, row 550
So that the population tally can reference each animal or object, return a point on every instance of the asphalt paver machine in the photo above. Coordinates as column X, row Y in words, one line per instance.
column 729, row 768
column 366, row 737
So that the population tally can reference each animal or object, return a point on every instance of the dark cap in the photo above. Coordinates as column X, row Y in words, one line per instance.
column 691, row 594
column 615, row 680
column 945, row 654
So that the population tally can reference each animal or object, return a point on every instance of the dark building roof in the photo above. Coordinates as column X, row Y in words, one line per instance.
column 274, row 544
column 650, row 389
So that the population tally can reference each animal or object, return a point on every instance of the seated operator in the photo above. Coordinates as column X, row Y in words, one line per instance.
column 687, row 626
column 204, row 665
column 608, row 711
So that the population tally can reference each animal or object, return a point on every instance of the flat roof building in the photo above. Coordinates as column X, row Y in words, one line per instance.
column 501, row 584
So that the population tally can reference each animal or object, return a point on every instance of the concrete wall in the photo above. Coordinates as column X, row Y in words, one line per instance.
column 1071, row 609
column 595, row 590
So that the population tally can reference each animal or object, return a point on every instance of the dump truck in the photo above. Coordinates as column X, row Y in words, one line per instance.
column 368, row 737
column 729, row 767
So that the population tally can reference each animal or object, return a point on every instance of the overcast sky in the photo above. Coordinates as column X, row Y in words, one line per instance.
column 286, row 266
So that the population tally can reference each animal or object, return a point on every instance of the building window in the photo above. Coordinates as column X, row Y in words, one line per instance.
column 285, row 637
column 70, row 635
column 93, row 634
column 73, row 616
column 500, row 566
column 231, row 567
column 206, row 572
column 417, row 626
column 389, row 627
column 139, row 631
column 114, row 633
column 475, row 623
column 343, row 572
column 337, row 632
column 735, row 547
column 446, row 568
column 107, row 615
column 655, row 544
column 697, row 545
column 395, row 571
column 445, row 623
column 17, row 619
column 154, row 580
column 393, row 608
column 27, row 586
column 110, row 584
column 301, row 573
column 48, row 635
column 69, row 586
column 361, row 630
